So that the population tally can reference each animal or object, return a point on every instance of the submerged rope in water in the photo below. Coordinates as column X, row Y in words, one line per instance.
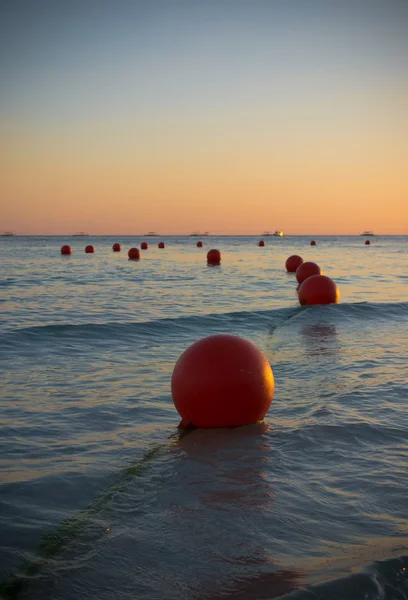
column 68, row 530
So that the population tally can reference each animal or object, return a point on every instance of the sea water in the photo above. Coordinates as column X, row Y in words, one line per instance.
column 102, row 497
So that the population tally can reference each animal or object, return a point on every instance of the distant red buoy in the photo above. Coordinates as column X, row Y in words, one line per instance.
column 261, row 243
column 199, row 244
column 307, row 269
column 116, row 247
column 89, row 249
column 367, row 242
column 318, row 289
column 313, row 243
column 66, row 250
column 222, row 381
column 161, row 245
column 134, row 254
column 214, row 257
column 293, row 262
column 144, row 245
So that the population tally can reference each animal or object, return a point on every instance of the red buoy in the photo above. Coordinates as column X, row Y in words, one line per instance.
column 293, row 262
column 307, row 269
column 313, row 243
column 261, row 243
column 199, row 244
column 66, row 249
column 214, row 257
column 144, row 245
column 367, row 242
column 134, row 254
column 222, row 381
column 318, row 289
column 116, row 247
column 89, row 249
column 161, row 245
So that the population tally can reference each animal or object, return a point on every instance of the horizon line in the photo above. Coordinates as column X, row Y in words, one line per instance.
column 203, row 235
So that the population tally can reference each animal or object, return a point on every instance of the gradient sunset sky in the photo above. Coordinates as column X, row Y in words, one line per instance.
column 226, row 116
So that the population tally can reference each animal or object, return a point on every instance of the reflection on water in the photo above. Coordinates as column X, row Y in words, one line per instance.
column 320, row 339
column 225, row 472
column 237, row 458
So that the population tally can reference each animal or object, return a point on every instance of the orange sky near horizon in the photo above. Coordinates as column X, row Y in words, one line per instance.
column 310, row 157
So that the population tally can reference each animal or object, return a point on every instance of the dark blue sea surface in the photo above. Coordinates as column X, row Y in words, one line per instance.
column 101, row 496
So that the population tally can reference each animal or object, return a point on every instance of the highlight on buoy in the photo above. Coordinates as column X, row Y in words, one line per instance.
column 116, row 247
column 367, row 242
column 222, row 381
column 89, row 249
column 261, row 243
column 161, row 245
column 318, row 289
column 199, row 244
column 214, row 257
column 293, row 262
column 307, row 269
column 144, row 245
column 134, row 254
column 313, row 243
column 66, row 249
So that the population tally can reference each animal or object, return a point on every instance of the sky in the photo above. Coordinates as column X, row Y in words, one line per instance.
column 227, row 116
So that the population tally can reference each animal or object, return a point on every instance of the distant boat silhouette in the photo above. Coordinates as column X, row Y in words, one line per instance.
column 276, row 233
column 8, row 234
column 80, row 234
column 150, row 233
column 367, row 233
column 198, row 234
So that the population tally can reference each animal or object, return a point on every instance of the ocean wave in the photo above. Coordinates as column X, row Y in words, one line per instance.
column 121, row 330
column 268, row 318
column 382, row 580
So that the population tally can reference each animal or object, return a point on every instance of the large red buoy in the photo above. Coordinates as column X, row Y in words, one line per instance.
column 66, row 249
column 89, row 249
column 214, row 257
column 199, row 244
column 222, row 381
column 318, row 289
column 367, row 242
column 134, row 254
column 293, row 262
column 116, row 247
column 313, row 243
column 161, row 245
column 144, row 245
column 261, row 243
column 307, row 269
